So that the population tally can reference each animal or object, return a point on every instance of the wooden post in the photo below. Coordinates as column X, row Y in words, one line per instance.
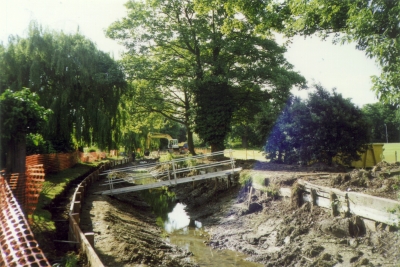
column 90, row 237
column 173, row 169
column 81, row 189
column 250, row 192
column 334, row 204
column 78, row 196
column 76, row 217
column 345, row 214
column 313, row 198
column 77, row 207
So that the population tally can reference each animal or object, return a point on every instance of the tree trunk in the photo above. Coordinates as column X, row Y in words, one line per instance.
column 245, row 138
column 244, row 141
column 19, row 157
column 190, row 142
column 217, row 147
column 16, row 154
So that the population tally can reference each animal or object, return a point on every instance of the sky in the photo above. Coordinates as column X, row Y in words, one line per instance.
column 333, row 66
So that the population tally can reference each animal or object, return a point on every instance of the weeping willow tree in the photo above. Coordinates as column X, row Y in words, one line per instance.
column 79, row 83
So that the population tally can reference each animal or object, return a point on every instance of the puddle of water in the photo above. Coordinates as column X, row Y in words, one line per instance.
column 188, row 234
column 177, row 219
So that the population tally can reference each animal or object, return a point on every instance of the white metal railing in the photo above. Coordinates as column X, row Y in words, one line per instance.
column 168, row 169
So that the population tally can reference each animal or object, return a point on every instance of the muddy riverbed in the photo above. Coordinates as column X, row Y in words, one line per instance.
column 226, row 225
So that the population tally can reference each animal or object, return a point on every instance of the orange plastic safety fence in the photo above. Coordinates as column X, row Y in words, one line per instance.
column 92, row 156
column 33, row 187
column 16, row 181
column 53, row 162
column 18, row 246
column 58, row 162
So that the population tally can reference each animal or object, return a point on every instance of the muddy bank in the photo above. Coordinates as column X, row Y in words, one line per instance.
column 275, row 232
column 126, row 231
column 269, row 229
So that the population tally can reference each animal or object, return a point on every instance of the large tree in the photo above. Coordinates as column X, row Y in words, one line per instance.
column 324, row 126
column 373, row 25
column 208, row 51
column 79, row 83
column 20, row 114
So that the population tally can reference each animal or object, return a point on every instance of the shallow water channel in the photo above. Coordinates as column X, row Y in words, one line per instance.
column 189, row 234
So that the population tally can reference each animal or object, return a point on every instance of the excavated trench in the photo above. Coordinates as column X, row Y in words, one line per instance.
column 232, row 226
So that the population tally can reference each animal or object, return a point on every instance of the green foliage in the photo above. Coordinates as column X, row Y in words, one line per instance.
column 382, row 117
column 79, row 83
column 20, row 113
column 70, row 260
column 254, row 119
column 321, row 128
column 54, row 185
column 245, row 178
column 35, row 144
column 372, row 25
column 167, row 157
column 200, row 61
column 214, row 114
column 197, row 141
column 272, row 190
column 259, row 179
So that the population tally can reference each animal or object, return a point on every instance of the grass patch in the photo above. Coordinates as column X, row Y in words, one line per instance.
column 245, row 178
column 167, row 157
column 54, row 185
column 272, row 190
column 259, row 179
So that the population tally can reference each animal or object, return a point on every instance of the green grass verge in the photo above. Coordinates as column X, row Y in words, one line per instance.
column 53, row 186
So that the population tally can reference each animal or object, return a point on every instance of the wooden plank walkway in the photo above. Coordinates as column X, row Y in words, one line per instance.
column 170, row 182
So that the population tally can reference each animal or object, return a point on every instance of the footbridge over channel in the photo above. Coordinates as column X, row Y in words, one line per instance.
column 144, row 176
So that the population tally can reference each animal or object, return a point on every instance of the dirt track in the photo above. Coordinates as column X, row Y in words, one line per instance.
column 269, row 230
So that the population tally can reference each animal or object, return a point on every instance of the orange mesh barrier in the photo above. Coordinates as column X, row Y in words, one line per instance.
column 58, row 162
column 18, row 246
column 54, row 162
column 16, row 182
column 92, row 156
column 33, row 187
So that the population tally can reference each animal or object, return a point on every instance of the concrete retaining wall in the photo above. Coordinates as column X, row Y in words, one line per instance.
column 371, row 208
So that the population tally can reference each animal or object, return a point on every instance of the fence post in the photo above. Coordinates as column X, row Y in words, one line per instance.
column 90, row 237
column 232, row 160
column 173, row 169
